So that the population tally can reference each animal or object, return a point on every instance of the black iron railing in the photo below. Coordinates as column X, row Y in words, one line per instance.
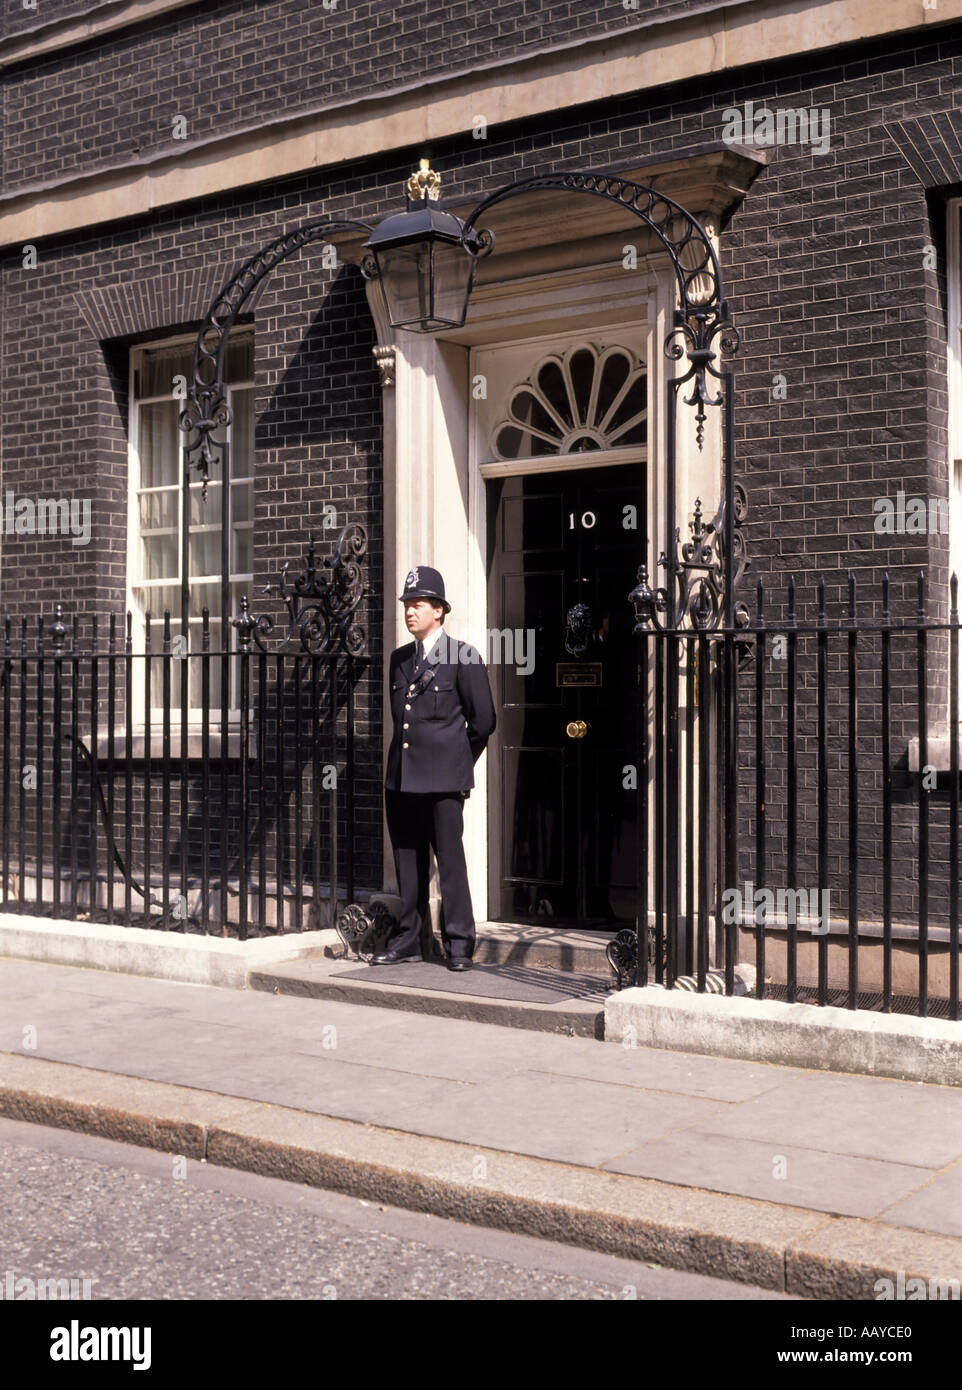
column 800, row 804
column 208, row 790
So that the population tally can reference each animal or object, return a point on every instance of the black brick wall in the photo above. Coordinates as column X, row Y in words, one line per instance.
column 824, row 267
column 232, row 65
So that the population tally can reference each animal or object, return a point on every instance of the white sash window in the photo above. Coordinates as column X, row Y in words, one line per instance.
column 154, row 531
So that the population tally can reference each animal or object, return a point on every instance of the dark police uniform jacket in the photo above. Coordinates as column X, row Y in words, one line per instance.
column 442, row 722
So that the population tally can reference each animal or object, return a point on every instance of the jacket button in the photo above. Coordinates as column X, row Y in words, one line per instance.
column 404, row 745
column 407, row 726
column 407, row 706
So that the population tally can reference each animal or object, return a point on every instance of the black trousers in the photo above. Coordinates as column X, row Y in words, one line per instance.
column 417, row 824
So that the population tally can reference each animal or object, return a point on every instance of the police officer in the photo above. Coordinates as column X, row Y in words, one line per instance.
column 443, row 717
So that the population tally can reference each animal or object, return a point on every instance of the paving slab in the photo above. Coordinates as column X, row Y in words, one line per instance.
column 559, row 1117
column 192, row 1052
column 17, row 977
column 935, row 1207
column 713, row 1078
column 410, row 1044
column 800, row 1177
column 864, row 1116
column 59, row 1028
column 159, row 1048
column 322, row 1085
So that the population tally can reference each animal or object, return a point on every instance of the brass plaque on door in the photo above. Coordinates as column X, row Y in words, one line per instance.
column 578, row 673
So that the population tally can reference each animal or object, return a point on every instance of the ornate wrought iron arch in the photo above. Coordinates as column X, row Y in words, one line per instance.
column 206, row 410
column 702, row 575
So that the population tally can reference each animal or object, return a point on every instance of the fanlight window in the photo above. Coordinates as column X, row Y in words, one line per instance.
column 583, row 400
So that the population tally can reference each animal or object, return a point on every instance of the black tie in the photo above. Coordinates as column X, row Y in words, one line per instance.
column 419, row 657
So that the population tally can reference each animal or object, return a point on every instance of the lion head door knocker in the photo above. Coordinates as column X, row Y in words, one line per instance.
column 578, row 631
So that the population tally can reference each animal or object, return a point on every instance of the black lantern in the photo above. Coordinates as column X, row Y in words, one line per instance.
column 424, row 260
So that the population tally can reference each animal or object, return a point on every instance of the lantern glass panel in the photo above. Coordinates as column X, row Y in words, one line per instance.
column 406, row 280
column 426, row 284
column 453, row 273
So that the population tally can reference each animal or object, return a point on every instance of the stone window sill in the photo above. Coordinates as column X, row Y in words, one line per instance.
column 194, row 743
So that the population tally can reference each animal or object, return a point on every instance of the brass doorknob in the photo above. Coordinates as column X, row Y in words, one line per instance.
column 576, row 729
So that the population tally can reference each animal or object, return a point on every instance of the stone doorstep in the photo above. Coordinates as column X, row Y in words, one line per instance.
column 549, row 948
column 784, row 1248
column 316, row 979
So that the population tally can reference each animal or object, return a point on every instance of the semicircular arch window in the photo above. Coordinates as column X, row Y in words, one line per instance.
column 585, row 399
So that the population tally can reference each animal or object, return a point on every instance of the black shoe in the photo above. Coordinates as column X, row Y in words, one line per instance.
column 392, row 958
column 460, row 963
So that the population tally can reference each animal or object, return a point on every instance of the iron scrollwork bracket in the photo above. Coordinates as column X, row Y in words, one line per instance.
column 206, row 409
column 699, row 571
column 321, row 602
column 622, row 954
column 366, row 930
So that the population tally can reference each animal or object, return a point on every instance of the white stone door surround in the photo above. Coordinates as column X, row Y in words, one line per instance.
column 434, row 489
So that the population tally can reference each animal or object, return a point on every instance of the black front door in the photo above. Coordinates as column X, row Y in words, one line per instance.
column 564, row 550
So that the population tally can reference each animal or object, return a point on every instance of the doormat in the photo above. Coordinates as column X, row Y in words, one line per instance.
column 519, row 982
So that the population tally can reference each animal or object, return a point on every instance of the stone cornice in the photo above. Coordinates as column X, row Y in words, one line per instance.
column 743, row 33
column 111, row 15
column 40, row 40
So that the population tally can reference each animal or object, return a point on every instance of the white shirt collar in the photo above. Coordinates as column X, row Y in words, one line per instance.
column 431, row 638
